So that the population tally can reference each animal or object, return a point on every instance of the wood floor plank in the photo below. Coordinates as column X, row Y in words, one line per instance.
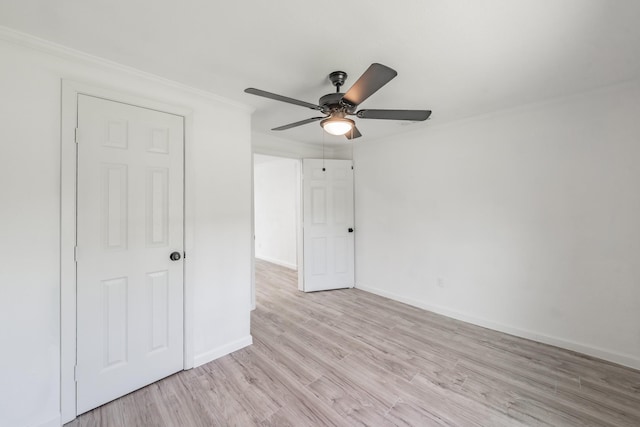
column 351, row 358
column 406, row 414
column 544, row 396
column 256, row 403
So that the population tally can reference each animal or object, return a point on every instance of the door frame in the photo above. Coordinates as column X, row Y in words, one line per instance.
column 68, row 208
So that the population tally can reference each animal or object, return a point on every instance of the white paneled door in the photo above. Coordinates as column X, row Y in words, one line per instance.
column 130, row 222
column 328, row 224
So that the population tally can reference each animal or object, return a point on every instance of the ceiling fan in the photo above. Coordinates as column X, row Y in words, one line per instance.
column 337, row 106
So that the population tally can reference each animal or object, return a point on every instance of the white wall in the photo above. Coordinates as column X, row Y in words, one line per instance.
column 276, row 196
column 218, row 167
column 526, row 221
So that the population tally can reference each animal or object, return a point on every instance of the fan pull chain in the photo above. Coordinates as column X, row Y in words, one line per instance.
column 323, row 168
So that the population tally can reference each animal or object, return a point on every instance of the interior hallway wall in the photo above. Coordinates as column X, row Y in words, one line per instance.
column 276, row 197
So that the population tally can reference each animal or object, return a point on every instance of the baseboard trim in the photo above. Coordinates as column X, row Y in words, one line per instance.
column 619, row 358
column 278, row 262
column 217, row 353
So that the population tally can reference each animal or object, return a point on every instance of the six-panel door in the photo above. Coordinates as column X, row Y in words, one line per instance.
column 130, row 219
column 327, row 221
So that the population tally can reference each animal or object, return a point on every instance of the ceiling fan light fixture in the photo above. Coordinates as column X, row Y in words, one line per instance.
column 337, row 125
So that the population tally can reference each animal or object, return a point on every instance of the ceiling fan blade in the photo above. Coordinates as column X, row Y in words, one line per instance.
column 254, row 91
column 413, row 115
column 354, row 133
column 300, row 123
column 376, row 76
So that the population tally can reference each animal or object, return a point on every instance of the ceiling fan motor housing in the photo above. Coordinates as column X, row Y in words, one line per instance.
column 330, row 103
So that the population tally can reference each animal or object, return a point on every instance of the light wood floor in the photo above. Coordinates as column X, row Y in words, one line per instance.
column 352, row 358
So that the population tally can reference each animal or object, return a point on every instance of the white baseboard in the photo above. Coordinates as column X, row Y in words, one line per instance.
column 611, row 356
column 290, row 265
column 216, row 353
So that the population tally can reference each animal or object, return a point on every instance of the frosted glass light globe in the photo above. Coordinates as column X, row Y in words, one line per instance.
column 337, row 126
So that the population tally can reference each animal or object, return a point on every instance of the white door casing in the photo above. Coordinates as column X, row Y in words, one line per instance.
column 129, row 219
column 328, row 224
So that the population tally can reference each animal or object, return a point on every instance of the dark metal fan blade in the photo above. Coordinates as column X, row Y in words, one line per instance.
column 300, row 123
column 413, row 115
column 376, row 76
column 353, row 133
column 254, row 91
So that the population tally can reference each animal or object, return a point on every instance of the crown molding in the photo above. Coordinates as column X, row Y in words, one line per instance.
column 35, row 43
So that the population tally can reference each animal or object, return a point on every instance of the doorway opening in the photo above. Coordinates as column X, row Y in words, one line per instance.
column 305, row 225
column 277, row 212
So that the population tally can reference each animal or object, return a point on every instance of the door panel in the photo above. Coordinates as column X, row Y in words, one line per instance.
column 327, row 217
column 130, row 218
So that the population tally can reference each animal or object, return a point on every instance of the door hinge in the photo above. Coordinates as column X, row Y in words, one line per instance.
column 75, row 135
column 75, row 253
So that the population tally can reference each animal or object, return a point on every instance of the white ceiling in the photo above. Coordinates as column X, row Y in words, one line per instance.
column 459, row 58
